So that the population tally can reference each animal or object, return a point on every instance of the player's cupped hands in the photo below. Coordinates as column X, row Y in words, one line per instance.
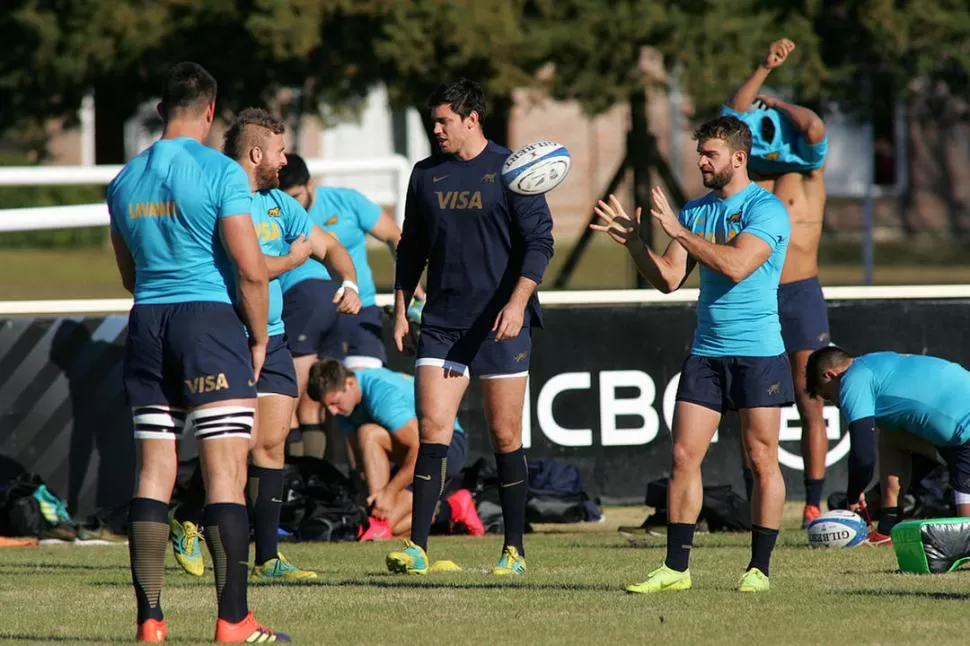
column 616, row 223
column 509, row 322
column 662, row 213
column 778, row 53
column 347, row 300
column 300, row 250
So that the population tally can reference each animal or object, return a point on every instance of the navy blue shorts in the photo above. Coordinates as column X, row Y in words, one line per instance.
column 957, row 460
column 278, row 376
column 364, row 333
column 475, row 353
column 803, row 315
column 186, row 354
column 311, row 320
column 734, row 383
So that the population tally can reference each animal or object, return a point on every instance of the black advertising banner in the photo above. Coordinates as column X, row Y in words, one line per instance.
column 602, row 388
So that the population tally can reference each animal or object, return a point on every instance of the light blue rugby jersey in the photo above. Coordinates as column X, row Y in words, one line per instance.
column 348, row 216
column 166, row 204
column 387, row 400
column 279, row 220
column 739, row 319
column 925, row 396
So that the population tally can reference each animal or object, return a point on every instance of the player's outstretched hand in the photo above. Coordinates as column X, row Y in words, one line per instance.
column 300, row 250
column 662, row 213
column 347, row 300
column 616, row 223
column 778, row 53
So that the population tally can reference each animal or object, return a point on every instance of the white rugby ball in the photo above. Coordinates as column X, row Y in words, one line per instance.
column 837, row 528
column 536, row 168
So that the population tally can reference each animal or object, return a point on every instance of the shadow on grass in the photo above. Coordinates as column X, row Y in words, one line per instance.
column 387, row 580
column 910, row 594
column 70, row 566
column 29, row 637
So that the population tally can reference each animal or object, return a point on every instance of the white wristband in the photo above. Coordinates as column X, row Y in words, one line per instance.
column 349, row 284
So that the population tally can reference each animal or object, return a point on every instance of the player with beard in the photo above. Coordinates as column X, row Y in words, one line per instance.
column 286, row 236
column 738, row 233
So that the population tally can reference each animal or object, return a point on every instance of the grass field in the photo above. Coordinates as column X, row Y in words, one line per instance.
column 30, row 274
column 572, row 594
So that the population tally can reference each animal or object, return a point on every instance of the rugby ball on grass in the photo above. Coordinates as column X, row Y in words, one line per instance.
column 837, row 528
column 536, row 168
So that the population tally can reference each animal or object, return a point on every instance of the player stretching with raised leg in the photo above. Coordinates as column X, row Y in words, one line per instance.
column 184, row 242
column 486, row 250
column 738, row 233
column 255, row 140
column 787, row 155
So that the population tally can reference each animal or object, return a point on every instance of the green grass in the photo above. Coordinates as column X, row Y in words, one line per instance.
column 571, row 594
column 31, row 274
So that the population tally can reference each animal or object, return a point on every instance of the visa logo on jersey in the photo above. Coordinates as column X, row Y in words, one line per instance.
column 207, row 383
column 267, row 231
column 164, row 209
column 460, row 200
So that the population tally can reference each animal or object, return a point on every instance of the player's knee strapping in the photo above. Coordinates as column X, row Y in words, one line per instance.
column 221, row 422
column 158, row 422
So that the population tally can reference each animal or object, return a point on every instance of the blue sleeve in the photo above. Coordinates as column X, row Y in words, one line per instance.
column 365, row 210
column 728, row 111
column 233, row 196
column 109, row 199
column 533, row 220
column 389, row 407
column 296, row 221
column 857, row 399
column 412, row 249
column 862, row 456
column 768, row 220
column 813, row 154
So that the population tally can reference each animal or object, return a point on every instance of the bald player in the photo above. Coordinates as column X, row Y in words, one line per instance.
column 787, row 156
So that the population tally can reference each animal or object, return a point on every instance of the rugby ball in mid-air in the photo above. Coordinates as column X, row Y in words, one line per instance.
column 837, row 528
column 536, row 168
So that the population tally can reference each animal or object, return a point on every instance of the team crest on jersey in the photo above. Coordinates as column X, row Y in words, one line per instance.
column 273, row 212
column 488, row 178
column 771, row 156
column 735, row 218
column 332, row 221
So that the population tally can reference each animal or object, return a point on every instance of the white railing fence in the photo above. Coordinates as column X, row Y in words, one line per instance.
column 95, row 215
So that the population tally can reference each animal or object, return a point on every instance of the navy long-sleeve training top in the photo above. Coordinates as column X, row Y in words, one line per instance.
column 475, row 237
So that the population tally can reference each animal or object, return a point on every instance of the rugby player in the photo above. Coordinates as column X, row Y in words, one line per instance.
column 349, row 217
column 186, row 249
column 788, row 152
column 918, row 403
column 486, row 250
column 287, row 237
column 375, row 406
column 738, row 233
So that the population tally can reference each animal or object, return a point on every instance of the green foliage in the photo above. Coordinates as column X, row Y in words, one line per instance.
column 334, row 51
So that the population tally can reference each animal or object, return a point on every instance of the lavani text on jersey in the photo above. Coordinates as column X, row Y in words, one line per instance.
column 459, row 199
column 152, row 209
